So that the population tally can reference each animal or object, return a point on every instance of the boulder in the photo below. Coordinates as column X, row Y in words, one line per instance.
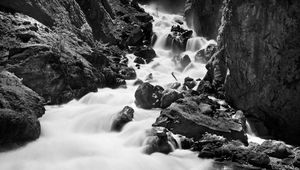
column 178, row 38
column 140, row 60
column 20, row 108
column 148, row 96
column 185, row 61
column 216, row 147
column 194, row 116
column 275, row 149
column 146, row 53
column 127, row 73
column 168, row 97
column 159, row 139
column 189, row 82
column 122, row 118
column 204, row 55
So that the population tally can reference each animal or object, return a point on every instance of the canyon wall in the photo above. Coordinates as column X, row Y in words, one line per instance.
column 262, row 44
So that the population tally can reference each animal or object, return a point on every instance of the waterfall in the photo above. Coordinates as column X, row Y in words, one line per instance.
column 196, row 43
column 251, row 135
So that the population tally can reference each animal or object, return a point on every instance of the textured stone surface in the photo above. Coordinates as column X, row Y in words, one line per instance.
column 195, row 116
column 204, row 16
column 50, row 63
column 65, row 14
column 19, row 109
column 262, row 42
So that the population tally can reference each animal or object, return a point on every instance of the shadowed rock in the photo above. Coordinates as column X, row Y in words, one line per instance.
column 148, row 96
column 20, row 108
column 194, row 116
column 122, row 118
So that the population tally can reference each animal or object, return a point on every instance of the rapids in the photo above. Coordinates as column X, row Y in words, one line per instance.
column 77, row 136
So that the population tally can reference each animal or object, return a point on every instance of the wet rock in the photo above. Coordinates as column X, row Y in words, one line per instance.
column 146, row 53
column 189, row 82
column 128, row 73
column 138, row 82
column 144, row 17
column 217, row 147
column 275, row 149
column 140, row 60
column 20, row 108
column 216, row 69
column 204, row 55
column 185, row 61
column 112, row 79
column 168, row 97
column 159, row 140
column 148, row 96
column 135, row 38
column 177, row 39
column 194, row 116
column 122, row 118
column 182, row 61
column 258, row 159
column 205, row 87
column 241, row 118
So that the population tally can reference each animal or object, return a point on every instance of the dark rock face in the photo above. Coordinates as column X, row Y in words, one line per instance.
column 178, row 38
column 159, row 139
column 262, row 41
column 65, row 14
column 212, row 146
column 216, row 69
column 148, row 96
column 205, row 55
column 99, row 15
column 275, row 149
column 196, row 115
column 19, row 109
column 123, row 117
column 145, row 54
column 169, row 97
column 204, row 16
column 273, row 155
column 60, row 59
column 49, row 63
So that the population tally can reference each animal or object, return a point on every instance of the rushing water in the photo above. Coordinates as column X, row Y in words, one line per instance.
column 77, row 136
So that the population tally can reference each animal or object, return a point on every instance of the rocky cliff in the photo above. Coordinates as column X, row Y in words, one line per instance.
column 262, row 41
column 262, row 45
column 62, row 50
column 58, row 48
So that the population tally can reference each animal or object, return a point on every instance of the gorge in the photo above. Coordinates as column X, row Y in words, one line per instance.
column 146, row 84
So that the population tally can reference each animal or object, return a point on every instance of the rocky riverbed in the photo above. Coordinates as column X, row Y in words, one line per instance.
column 176, row 84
